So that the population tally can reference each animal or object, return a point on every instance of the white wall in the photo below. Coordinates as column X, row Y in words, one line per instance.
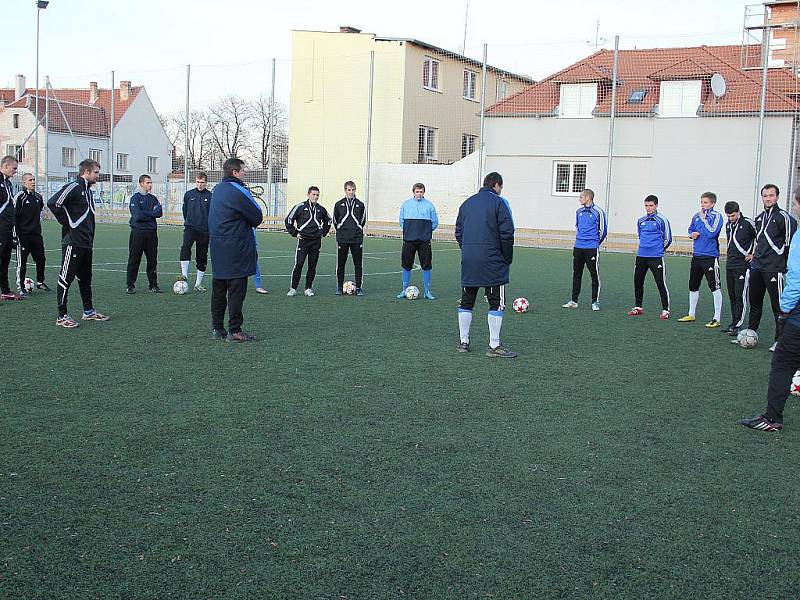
column 139, row 134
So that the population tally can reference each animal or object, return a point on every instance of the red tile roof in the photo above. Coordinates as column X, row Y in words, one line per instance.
column 645, row 69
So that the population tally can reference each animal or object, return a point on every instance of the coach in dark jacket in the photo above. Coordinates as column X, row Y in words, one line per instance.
column 231, row 219
column 145, row 209
column 485, row 234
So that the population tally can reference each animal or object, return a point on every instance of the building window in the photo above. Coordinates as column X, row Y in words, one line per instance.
column 67, row 157
column 430, row 74
column 577, row 100
column 679, row 98
column 122, row 162
column 470, row 84
column 637, row 96
column 16, row 151
column 569, row 178
column 502, row 89
column 152, row 164
column 95, row 154
column 468, row 143
column 15, row 120
column 427, row 144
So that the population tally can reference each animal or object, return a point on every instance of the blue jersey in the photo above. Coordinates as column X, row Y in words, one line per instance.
column 655, row 235
column 709, row 227
column 590, row 226
column 418, row 220
column 790, row 297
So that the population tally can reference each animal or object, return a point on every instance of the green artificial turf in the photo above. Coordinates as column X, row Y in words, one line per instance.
column 352, row 453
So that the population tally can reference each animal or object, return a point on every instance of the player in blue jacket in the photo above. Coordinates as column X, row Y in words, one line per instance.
column 655, row 236
column 485, row 234
column 231, row 219
column 786, row 360
column 591, row 230
column 704, row 229
column 418, row 220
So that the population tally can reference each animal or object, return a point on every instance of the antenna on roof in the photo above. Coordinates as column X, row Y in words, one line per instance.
column 464, row 43
column 598, row 41
column 718, row 85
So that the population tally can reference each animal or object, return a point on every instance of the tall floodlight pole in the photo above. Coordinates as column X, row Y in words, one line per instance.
column 40, row 6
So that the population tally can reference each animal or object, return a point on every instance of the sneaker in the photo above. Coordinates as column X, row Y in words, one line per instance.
column 130, row 290
column 155, row 290
column 261, row 290
column 23, row 293
column 635, row 312
column 663, row 316
column 761, row 423
column 727, row 329
column 219, row 334
column 338, row 291
column 200, row 288
column 570, row 304
column 10, row 296
column 735, row 341
column 687, row 319
column 774, row 345
column 595, row 306
column 309, row 292
column 359, row 292
column 240, row 336
column 463, row 347
column 67, row 322
column 429, row 296
column 401, row 295
column 500, row 352
column 734, row 331
column 712, row 324
column 43, row 287
column 94, row 316
column 291, row 292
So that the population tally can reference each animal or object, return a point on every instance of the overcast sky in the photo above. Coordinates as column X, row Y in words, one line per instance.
column 151, row 41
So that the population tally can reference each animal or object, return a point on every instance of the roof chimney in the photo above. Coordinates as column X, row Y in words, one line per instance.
column 124, row 90
column 19, row 87
column 348, row 29
column 92, row 92
column 782, row 19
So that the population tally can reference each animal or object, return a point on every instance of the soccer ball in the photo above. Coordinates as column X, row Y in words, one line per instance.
column 28, row 284
column 521, row 305
column 412, row 292
column 180, row 287
column 747, row 338
column 794, row 389
column 349, row 288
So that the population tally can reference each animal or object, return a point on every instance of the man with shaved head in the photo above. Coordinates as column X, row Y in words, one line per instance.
column 28, row 207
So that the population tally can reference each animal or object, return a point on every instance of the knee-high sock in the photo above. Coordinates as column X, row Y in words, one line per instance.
column 199, row 279
column 185, row 268
column 693, row 298
column 464, row 323
column 426, row 280
column 406, row 278
column 495, row 319
column 717, row 304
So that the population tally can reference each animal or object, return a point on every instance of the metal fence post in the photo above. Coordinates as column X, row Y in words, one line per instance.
column 270, row 144
column 761, row 112
column 186, row 133
column 111, row 159
column 46, row 136
column 611, row 124
column 483, row 116
column 369, row 130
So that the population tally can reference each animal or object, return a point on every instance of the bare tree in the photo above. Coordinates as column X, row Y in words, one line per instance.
column 200, row 143
column 261, row 118
column 228, row 123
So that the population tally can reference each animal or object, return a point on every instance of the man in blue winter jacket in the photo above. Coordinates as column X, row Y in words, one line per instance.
column 485, row 234
column 786, row 360
column 590, row 231
column 231, row 219
column 418, row 220
column 704, row 229
column 145, row 209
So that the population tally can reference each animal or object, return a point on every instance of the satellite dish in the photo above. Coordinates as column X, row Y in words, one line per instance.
column 718, row 85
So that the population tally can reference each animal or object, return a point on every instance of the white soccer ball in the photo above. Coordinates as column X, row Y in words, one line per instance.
column 412, row 292
column 747, row 338
column 521, row 305
column 180, row 287
column 28, row 284
column 349, row 288
column 794, row 389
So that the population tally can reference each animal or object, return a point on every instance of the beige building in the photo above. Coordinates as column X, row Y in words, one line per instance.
column 425, row 106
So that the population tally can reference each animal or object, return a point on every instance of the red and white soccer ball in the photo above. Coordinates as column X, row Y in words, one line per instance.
column 349, row 288
column 794, row 389
column 28, row 284
column 521, row 305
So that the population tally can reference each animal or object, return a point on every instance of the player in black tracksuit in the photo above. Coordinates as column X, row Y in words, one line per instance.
column 741, row 234
column 28, row 207
column 349, row 217
column 195, row 230
column 8, row 167
column 145, row 209
column 309, row 222
column 774, row 230
column 73, row 207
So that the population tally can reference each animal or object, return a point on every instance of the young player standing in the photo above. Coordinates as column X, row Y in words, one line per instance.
column 309, row 223
column 195, row 230
column 418, row 220
column 655, row 236
column 591, row 230
column 485, row 233
column 349, row 218
column 774, row 230
column 704, row 229
column 741, row 234
column 145, row 209
column 73, row 207
column 28, row 207
column 8, row 168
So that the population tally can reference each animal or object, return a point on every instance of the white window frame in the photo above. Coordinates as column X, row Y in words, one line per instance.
column 431, row 71
column 427, row 137
column 470, row 87
column 15, row 120
column 17, row 151
column 573, row 188
column 468, row 140
column 680, row 98
column 152, row 165
column 68, row 154
column 577, row 100
column 121, row 163
column 96, row 154
column 502, row 89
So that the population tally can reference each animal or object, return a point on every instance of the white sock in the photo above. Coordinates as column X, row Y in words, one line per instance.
column 199, row 279
column 185, row 268
column 693, row 298
column 464, row 323
column 717, row 305
column 495, row 323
